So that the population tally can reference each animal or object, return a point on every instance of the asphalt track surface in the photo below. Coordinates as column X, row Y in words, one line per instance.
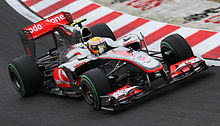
column 192, row 102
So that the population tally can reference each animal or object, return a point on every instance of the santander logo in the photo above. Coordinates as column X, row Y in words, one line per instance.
column 39, row 26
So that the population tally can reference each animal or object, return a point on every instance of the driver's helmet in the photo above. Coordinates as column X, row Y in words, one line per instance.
column 97, row 45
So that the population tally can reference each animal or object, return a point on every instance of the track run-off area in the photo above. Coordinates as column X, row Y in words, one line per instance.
column 193, row 102
column 203, row 42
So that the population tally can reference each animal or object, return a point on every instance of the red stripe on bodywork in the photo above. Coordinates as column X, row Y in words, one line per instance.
column 174, row 67
column 147, row 71
column 31, row 2
column 214, row 53
column 107, row 18
column 160, row 33
column 29, row 51
column 199, row 36
column 54, row 7
column 84, row 10
column 131, row 26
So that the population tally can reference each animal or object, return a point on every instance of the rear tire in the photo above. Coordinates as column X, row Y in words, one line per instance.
column 25, row 75
column 102, row 30
column 174, row 49
column 94, row 84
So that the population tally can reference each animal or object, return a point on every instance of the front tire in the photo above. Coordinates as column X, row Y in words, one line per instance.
column 94, row 84
column 174, row 49
column 25, row 75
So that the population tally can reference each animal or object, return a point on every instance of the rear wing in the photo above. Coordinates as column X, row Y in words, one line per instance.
column 44, row 26
column 41, row 29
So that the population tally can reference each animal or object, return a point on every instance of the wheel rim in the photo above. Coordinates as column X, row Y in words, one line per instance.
column 88, row 94
column 15, row 82
column 169, row 55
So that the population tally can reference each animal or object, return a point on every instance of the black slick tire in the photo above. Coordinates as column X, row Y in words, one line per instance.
column 94, row 84
column 174, row 49
column 25, row 75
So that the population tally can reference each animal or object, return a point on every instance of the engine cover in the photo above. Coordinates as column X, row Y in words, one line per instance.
column 138, row 58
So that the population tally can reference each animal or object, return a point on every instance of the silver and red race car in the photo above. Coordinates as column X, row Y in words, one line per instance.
column 92, row 63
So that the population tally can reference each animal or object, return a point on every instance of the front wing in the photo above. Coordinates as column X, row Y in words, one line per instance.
column 129, row 94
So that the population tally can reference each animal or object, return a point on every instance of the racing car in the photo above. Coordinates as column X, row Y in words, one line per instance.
column 108, row 72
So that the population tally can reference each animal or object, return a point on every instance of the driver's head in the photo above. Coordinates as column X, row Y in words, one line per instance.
column 97, row 45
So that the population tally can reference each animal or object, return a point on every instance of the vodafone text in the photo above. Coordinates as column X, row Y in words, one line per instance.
column 37, row 27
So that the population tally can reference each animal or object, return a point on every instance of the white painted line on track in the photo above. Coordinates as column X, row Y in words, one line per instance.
column 117, row 23
column 73, row 7
column 212, row 62
column 207, row 45
column 95, row 14
column 23, row 10
column 183, row 31
column 148, row 28
column 43, row 4
column 121, row 21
